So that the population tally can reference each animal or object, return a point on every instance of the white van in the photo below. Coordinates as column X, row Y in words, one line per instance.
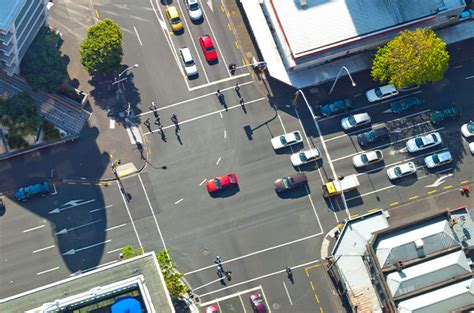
column 188, row 62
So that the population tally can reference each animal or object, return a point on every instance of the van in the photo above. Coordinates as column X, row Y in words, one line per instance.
column 188, row 62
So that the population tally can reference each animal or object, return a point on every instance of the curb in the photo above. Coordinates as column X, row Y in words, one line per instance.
column 326, row 242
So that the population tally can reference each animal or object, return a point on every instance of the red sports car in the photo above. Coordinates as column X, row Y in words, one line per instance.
column 208, row 48
column 219, row 183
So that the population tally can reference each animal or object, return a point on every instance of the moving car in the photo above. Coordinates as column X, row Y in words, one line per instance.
column 286, row 140
column 305, row 156
column 438, row 159
column 257, row 303
column 290, row 182
column 444, row 115
column 355, row 120
column 467, row 129
column 367, row 158
column 188, row 62
column 207, row 47
column 423, row 142
column 223, row 182
column 380, row 93
column 25, row 193
column 194, row 9
column 401, row 170
column 372, row 136
column 336, row 107
column 212, row 309
column 174, row 19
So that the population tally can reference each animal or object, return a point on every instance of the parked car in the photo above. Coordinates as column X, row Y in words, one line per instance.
column 372, row 136
column 438, row 159
column 444, row 115
column 290, row 182
column 207, row 46
column 212, row 309
column 286, row 140
column 401, row 170
column 25, row 193
column 471, row 147
column 405, row 104
column 305, row 156
column 188, row 62
column 423, row 142
column 467, row 129
column 174, row 19
column 194, row 9
column 367, row 158
column 223, row 182
column 380, row 93
column 257, row 303
column 336, row 107
column 355, row 120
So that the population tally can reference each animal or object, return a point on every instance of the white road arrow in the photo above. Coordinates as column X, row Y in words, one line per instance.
column 209, row 3
column 439, row 181
column 69, row 205
column 66, row 230
column 163, row 24
column 73, row 251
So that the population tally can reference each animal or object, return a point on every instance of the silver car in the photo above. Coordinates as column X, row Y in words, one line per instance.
column 188, row 62
column 423, row 142
column 355, row 120
column 194, row 9
column 305, row 156
column 367, row 158
column 401, row 170
column 438, row 159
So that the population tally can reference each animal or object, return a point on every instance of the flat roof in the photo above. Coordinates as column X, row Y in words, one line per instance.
column 9, row 9
column 323, row 23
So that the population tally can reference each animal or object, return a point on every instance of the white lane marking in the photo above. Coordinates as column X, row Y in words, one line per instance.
column 392, row 142
column 129, row 215
column 256, row 252
column 287, row 293
column 69, row 205
column 215, row 82
column 99, row 209
column 138, row 36
column 115, row 227
column 46, row 248
column 93, row 268
column 242, row 302
column 441, row 180
column 208, row 114
column 152, row 212
column 213, row 94
column 179, row 201
column 66, row 230
column 469, row 77
column 201, row 183
column 266, row 301
column 225, row 134
column 220, row 113
column 209, row 3
column 34, row 228
column 74, row 251
column 47, row 271
column 54, row 186
column 218, row 160
column 235, row 294
column 258, row 278
column 115, row 250
column 458, row 66
column 281, row 122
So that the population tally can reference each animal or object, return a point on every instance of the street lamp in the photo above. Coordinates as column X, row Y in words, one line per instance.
column 123, row 72
column 337, row 77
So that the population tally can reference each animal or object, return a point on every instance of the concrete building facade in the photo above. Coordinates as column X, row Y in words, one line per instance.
column 20, row 21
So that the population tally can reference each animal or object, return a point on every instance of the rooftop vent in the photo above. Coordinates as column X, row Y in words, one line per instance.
column 419, row 243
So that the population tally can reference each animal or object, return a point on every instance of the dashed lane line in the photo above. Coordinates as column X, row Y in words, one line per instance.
column 448, row 187
column 432, row 192
column 394, row 203
column 34, row 228
column 47, row 271
column 43, row 249
column 413, row 198
column 179, row 201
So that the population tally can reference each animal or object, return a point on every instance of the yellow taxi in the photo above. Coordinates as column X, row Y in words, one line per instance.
column 174, row 19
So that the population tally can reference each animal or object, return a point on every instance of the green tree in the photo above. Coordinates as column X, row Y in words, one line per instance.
column 19, row 114
column 172, row 277
column 128, row 252
column 43, row 66
column 414, row 57
column 102, row 50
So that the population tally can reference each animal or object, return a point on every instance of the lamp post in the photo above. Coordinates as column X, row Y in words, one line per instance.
column 337, row 77
column 118, row 81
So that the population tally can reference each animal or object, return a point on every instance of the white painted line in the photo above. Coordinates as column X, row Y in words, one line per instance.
column 46, row 248
column 112, row 123
column 458, row 66
column 115, row 250
column 130, row 215
column 235, row 294
column 256, row 252
column 93, row 268
column 266, row 301
column 281, row 122
column 225, row 134
column 371, row 192
column 469, row 77
column 179, row 201
column 99, row 209
column 219, row 81
column 152, row 212
column 287, row 293
column 34, row 228
column 201, row 183
column 218, row 160
column 47, row 271
column 54, row 186
column 242, row 302
column 115, row 227
column 220, row 113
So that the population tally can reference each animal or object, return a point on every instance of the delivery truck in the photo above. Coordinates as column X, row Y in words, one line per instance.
column 340, row 185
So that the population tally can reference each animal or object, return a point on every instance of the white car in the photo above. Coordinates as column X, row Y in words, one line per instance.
column 423, row 142
column 305, row 156
column 355, row 120
column 367, row 158
column 401, row 170
column 467, row 129
column 286, row 140
column 438, row 159
column 188, row 62
column 194, row 9
column 380, row 93
column 471, row 148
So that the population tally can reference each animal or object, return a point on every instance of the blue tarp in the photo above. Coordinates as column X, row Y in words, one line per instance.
column 127, row 305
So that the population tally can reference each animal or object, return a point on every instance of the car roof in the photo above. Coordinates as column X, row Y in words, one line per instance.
column 405, row 167
column 172, row 11
column 387, row 88
column 299, row 177
column 186, row 53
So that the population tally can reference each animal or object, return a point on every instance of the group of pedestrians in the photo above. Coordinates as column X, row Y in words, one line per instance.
column 174, row 119
column 221, row 98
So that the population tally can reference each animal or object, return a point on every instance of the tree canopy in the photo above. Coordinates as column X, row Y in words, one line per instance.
column 412, row 58
column 43, row 66
column 102, row 50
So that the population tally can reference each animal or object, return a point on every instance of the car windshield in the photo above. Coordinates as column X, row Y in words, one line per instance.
column 435, row 139
column 297, row 136
column 176, row 20
column 398, row 171
column 435, row 158
column 286, row 182
column 419, row 142
column 283, row 140
column 217, row 182
column 258, row 300
column 470, row 127
column 378, row 92
column 194, row 6
column 210, row 48
column 371, row 136
column 303, row 157
column 352, row 120
column 231, row 179
column 189, row 63
column 364, row 158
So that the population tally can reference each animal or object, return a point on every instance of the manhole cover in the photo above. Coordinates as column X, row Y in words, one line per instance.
column 205, row 252
column 276, row 306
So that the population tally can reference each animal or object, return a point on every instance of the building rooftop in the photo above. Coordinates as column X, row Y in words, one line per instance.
column 143, row 271
column 9, row 9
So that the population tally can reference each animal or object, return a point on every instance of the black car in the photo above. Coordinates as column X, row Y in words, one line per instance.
column 372, row 136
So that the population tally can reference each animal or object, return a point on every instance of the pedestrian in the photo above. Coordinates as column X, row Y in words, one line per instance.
column 153, row 106
column 174, row 118
column 218, row 93
column 242, row 102
column 147, row 123
column 218, row 260
column 220, row 269
column 155, row 113
column 237, row 88
column 228, row 275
